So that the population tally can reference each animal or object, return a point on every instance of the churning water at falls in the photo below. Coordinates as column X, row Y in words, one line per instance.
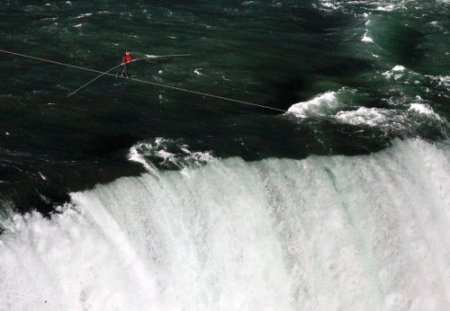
column 323, row 233
column 127, row 197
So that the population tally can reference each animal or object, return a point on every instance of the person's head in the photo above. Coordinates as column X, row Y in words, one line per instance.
column 127, row 52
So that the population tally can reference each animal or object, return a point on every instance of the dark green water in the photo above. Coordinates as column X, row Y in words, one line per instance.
column 131, row 197
column 271, row 53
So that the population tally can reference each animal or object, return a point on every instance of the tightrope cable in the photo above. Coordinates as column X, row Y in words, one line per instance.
column 161, row 85
column 99, row 76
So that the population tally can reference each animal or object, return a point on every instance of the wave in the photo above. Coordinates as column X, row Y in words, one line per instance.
column 369, row 5
column 166, row 153
column 322, row 105
column 403, row 116
column 386, row 6
column 391, row 119
column 324, row 233
column 443, row 81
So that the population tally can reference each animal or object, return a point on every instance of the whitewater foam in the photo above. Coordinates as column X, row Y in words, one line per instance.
column 135, row 156
column 395, row 73
column 374, row 117
column 387, row 8
column 320, row 105
column 369, row 5
column 329, row 5
column 442, row 80
column 425, row 110
column 366, row 38
column 391, row 119
column 81, row 16
column 167, row 153
column 325, row 233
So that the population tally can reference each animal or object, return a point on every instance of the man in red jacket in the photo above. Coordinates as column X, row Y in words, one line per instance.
column 127, row 59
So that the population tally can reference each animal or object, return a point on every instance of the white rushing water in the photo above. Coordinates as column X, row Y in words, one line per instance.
column 324, row 233
column 321, row 105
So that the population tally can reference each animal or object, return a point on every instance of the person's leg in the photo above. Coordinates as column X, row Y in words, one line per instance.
column 124, row 72
column 120, row 73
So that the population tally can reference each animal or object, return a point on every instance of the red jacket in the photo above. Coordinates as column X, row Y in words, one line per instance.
column 127, row 58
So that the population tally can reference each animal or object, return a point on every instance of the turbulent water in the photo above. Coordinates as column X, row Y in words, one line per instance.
column 129, row 197
column 362, row 233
